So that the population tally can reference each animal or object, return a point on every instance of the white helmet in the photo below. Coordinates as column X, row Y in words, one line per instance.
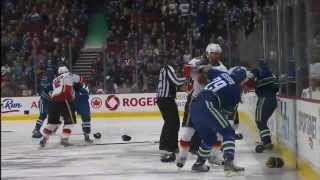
column 213, row 48
column 62, row 70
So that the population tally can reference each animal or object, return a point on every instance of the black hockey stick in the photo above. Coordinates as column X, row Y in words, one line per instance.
column 121, row 143
column 6, row 131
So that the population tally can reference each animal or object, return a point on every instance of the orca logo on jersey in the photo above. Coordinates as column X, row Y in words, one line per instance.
column 96, row 102
column 112, row 102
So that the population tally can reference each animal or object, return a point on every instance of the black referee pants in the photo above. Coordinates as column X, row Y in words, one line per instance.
column 170, row 129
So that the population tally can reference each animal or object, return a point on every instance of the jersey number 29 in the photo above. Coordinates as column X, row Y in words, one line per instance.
column 216, row 84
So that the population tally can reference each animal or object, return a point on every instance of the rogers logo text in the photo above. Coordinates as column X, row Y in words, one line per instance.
column 8, row 105
column 143, row 101
column 112, row 102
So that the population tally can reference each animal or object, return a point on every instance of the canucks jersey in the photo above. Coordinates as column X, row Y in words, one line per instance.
column 266, row 81
column 198, row 63
column 81, row 91
column 45, row 88
column 222, row 91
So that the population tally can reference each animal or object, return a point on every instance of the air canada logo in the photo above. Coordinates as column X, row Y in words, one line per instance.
column 112, row 102
column 96, row 102
column 9, row 105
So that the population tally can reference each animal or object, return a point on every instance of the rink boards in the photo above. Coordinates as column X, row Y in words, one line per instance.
column 102, row 106
column 295, row 124
column 295, row 127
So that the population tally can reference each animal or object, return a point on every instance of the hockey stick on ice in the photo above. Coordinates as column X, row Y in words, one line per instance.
column 121, row 143
column 133, row 142
column 6, row 131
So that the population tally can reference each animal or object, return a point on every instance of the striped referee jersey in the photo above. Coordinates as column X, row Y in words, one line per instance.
column 168, row 82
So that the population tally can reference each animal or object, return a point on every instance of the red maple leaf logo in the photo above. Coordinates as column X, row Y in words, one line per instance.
column 96, row 102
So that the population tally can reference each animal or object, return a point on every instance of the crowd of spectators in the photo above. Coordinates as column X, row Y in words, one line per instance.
column 38, row 35
column 145, row 32
column 35, row 37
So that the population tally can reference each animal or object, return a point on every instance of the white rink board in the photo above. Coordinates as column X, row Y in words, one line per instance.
column 98, row 103
column 308, row 126
column 285, row 122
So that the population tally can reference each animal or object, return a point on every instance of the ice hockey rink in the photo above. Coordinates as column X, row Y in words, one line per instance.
column 113, row 159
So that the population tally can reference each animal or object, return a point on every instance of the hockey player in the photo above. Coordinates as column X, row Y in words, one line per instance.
column 82, row 107
column 209, row 110
column 44, row 102
column 62, row 105
column 267, row 86
column 189, row 138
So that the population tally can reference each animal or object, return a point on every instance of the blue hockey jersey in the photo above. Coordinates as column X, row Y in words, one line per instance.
column 222, row 91
column 45, row 88
column 266, row 82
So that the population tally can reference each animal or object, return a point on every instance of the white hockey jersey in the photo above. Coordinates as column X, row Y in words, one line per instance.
column 63, row 87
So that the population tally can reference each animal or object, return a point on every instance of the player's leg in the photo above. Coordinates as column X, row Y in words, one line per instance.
column 53, row 122
column 236, row 125
column 228, row 146
column 43, row 110
column 264, row 111
column 186, row 134
column 185, row 144
column 69, row 116
column 225, row 129
column 83, row 108
column 202, row 121
column 193, row 142
column 208, row 139
column 216, row 156
column 86, row 127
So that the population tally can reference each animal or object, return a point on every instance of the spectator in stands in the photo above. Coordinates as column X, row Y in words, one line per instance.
column 313, row 91
column 31, row 29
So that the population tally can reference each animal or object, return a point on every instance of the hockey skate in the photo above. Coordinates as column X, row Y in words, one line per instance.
column 168, row 157
column 87, row 139
column 232, row 170
column 200, row 166
column 181, row 162
column 36, row 134
column 268, row 146
column 43, row 142
column 65, row 142
column 260, row 148
column 215, row 161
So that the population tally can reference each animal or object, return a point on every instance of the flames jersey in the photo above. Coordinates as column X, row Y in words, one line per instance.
column 63, row 87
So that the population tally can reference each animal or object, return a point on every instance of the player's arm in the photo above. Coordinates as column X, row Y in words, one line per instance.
column 250, row 83
column 174, row 78
column 202, row 71
column 46, row 93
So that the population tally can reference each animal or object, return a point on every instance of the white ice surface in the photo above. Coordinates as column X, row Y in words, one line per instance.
column 22, row 159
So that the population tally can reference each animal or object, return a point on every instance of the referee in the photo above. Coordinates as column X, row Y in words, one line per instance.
column 166, row 94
